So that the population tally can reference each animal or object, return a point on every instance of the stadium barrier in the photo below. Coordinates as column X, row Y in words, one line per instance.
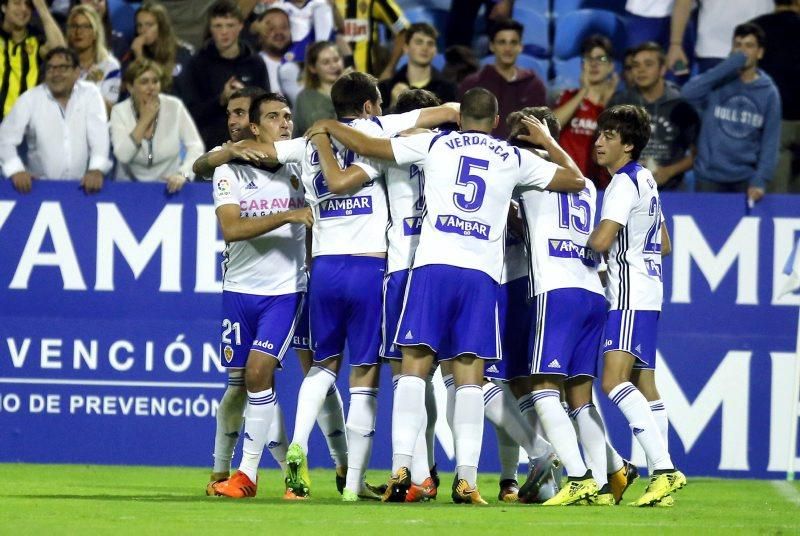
column 110, row 322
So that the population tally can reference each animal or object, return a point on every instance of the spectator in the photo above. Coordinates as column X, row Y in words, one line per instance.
column 627, row 67
column 674, row 122
column 740, row 107
column 190, row 19
column 310, row 20
column 323, row 67
column 22, row 48
column 144, row 151
column 462, row 17
column 578, row 109
column 715, row 22
column 115, row 41
column 513, row 86
column 223, row 65
column 648, row 21
column 275, row 39
column 63, row 121
column 418, row 73
column 362, row 22
column 782, row 62
column 87, row 37
column 155, row 40
column 459, row 63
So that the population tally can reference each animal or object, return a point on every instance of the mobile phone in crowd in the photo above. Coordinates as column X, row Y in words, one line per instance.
column 680, row 67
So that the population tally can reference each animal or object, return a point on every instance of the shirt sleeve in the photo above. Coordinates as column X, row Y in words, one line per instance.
column 619, row 199
column 97, row 132
column 226, row 187
column 394, row 124
column 291, row 151
column 191, row 140
column 534, row 170
column 12, row 132
column 412, row 149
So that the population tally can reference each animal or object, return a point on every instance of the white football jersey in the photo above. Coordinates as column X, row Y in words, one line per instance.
column 469, row 179
column 273, row 263
column 347, row 224
column 558, row 228
column 634, row 260
column 405, row 186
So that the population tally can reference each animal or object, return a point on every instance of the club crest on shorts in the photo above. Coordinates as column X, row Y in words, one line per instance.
column 228, row 352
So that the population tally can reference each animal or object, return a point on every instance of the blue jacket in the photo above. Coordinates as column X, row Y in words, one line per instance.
column 741, row 124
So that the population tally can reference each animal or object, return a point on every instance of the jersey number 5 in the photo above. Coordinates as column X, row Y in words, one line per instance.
column 467, row 178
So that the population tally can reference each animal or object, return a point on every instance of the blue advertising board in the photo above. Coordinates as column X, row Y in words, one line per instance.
column 110, row 323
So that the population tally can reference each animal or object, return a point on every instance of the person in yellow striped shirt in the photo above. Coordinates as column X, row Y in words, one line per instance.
column 21, row 50
column 362, row 19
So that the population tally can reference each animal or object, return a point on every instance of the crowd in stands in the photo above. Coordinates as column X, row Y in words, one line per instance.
column 94, row 89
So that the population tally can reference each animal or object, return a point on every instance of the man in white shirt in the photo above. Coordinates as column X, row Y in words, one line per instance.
column 64, row 124
column 450, row 310
column 275, row 38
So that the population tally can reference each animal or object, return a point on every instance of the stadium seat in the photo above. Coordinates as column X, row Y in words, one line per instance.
column 541, row 7
column 573, row 28
column 567, row 73
column 123, row 17
column 536, row 36
column 563, row 7
column 435, row 17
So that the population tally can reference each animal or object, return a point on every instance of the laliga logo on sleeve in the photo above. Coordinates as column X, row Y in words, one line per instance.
column 223, row 187
column 228, row 354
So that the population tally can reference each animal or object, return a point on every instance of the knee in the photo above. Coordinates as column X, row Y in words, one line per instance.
column 610, row 381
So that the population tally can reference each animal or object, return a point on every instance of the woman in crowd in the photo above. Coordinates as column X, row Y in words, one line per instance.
column 148, row 130
column 86, row 36
column 156, row 40
column 115, row 41
column 323, row 67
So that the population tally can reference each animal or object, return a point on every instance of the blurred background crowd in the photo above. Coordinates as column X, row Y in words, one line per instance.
column 100, row 90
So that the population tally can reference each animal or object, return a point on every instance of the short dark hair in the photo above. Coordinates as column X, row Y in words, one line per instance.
column 351, row 91
column 225, row 8
column 479, row 104
column 751, row 28
column 651, row 46
column 68, row 53
column 597, row 41
column 542, row 113
column 247, row 92
column 423, row 28
column 415, row 99
column 505, row 24
column 255, row 104
column 270, row 11
column 631, row 122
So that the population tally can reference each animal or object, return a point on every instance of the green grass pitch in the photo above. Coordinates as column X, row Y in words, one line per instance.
column 72, row 499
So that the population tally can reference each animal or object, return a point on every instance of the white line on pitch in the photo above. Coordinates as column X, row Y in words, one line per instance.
column 113, row 383
column 787, row 491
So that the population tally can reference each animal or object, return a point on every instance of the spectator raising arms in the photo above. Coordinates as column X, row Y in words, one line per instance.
column 146, row 152
column 323, row 67
column 155, row 40
column 19, row 63
column 578, row 109
column 87, row 37
column 223, row 65
column 513, row 86
column 63, row 122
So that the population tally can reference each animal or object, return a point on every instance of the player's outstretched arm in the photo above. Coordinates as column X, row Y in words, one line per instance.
column 235, row 228
column 666, row 243
column 603, row 235
column 339, row 181
column 438, row 115
column 353, row 139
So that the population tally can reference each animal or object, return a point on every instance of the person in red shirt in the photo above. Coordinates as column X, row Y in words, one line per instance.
column 578, row 109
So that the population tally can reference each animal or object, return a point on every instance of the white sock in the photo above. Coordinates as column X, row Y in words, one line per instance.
column 360, row 433
column 541, row 447
column 509, row 432
column 430, row 428
column 450, row 387
column 614, row 461
column 331, row 422
column 258, row 419
column 408, row 419
column 508, row 452
column 592, row 434
column 634, row 406
column 420, row 470
column 468, row 431
column 230, row 416
column 310, row 399
column 659, row 411
column 277, row 443
column 559, row 430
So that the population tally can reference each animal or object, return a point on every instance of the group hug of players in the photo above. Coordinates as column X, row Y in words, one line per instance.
column 446, row 248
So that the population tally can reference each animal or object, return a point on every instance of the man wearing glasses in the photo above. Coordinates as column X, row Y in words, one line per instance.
column 578, row 109
column 65, row 122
